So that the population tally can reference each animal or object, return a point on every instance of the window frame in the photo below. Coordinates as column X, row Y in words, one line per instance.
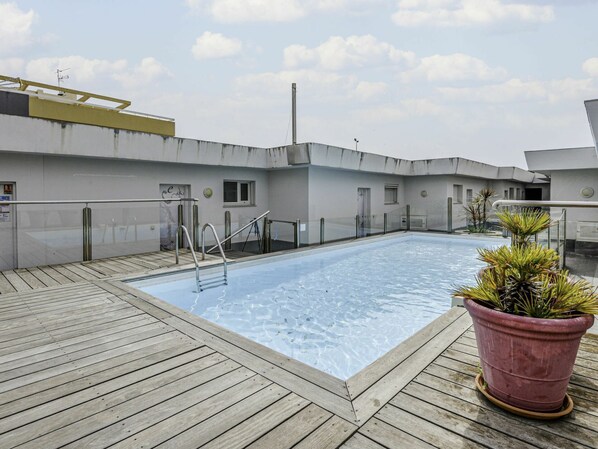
column 250, row 201
column 395, row 188
column 458, row 189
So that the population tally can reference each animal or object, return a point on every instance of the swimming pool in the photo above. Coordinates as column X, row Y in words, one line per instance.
column 336, row 310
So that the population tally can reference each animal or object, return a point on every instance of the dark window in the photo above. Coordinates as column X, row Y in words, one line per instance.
column 230, row 192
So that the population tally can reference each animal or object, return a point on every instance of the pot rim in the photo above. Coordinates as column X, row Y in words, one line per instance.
column 549, row 325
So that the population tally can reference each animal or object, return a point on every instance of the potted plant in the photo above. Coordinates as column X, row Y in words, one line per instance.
column 476, row 211
column 528, row 316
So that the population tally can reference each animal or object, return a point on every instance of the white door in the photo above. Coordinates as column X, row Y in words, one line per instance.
column 169, row 213
column 363, row 211
column 8, row 227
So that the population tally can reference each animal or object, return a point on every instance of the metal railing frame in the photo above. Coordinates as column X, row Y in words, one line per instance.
column 186, row 234
column 87, row 211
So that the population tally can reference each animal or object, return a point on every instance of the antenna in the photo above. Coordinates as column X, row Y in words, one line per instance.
column 60, row 77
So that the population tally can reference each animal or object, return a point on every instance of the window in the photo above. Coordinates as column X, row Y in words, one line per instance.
column 518, row 194
column 469, row 196
column 391, row 194
column 511, row 193
column 239, row 193
column 506, row 195
column 457, row 193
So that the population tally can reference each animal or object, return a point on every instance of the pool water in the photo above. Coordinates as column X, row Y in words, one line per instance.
column 336, row 310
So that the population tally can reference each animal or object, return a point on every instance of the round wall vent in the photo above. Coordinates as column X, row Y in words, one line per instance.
column 587, row 192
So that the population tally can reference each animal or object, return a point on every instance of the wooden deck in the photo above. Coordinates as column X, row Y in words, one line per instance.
column 91, row 362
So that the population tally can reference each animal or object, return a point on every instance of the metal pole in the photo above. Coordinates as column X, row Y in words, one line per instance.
column 408, row 213
column 195, row 225
column 322, row 231
column 297, row 234
column 548, row 232
column 227, row 230
column 564, row 256
column 385, row 222
column 449, row 214
column 179, row 233
column 356, row 226
column 86, row 233
column 269, row 241
column 294, row 112
column 265, row 236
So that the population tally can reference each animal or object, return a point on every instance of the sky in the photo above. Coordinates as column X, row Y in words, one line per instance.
column 415, row 79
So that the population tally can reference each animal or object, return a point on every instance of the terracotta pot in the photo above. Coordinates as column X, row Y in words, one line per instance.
column 527, row 362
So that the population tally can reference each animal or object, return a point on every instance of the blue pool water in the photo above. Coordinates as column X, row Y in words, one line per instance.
column 336, row 310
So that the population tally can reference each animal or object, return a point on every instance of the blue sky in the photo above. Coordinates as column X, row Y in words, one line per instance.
column 417, row 79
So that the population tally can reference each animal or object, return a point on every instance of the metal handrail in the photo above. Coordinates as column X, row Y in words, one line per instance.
column 530, row 203
column 186, row 234
column 127, row 200
column 218, row 244
column 237, row 232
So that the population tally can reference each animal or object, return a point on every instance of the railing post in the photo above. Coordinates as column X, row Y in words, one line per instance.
column 408, row 214
column 227, row 230
column 322, row 231
column 356, row 226
column 564, row 256
column 449, row 214
column 179, row 234
column 269, row 236
column 195, row 224
column 265, row 236
column 297, row 236
column 87, row 244
column 548, row 232
column 385, row 222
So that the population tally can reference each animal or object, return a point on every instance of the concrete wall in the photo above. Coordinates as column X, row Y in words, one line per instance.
column 333, row 196
column 55, row 177
column 566, row 185
column 288, row 198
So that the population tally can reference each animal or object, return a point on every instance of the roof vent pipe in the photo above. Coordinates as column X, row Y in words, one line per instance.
column 294, row 112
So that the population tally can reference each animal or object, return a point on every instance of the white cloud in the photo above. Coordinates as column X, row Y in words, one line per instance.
column 338, row 53
column 15, row 27
column 590, row 66
column 412, row 13
column 145, row 73
column 12, row 66
column 516, row 90
column 84, row 71
column 235, row 11
column 455, row 67
column 215, row 46
column 366, row 90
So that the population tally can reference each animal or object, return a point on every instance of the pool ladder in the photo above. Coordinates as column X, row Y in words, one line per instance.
column 186, row 234
column 218, row 280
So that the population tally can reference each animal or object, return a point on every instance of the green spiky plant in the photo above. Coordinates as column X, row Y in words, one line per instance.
column 524, row 278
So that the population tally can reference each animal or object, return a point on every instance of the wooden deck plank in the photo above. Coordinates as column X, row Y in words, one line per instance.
column 358, row 441
column 80, row 270
column 294, row 429
column 123, row 346
column 467, row 403
column 56, row 275
column 425, row 430
column 185, row 418
column 389, row 436
column 208, row 429
column 52, row 395
column 311, row 391
column 262, row 422
column 5, row 286
column 44, row 278
column 94, row 337
column 329, row 435
column 71, row 275
column 29, row 278
column 121, row 429
column 15, row 280
column 76, row 422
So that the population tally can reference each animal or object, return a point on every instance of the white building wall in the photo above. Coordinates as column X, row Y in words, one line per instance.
column 333, row 196
column 70, row 178
column 566, row 185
